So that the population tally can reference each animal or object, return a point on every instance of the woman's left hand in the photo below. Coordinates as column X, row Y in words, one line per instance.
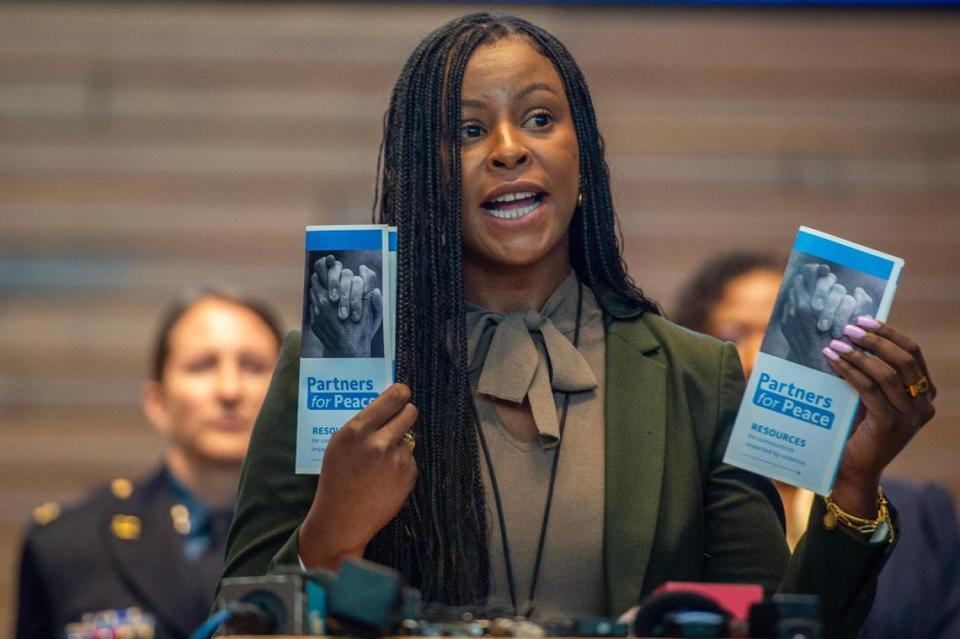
column 890, row 414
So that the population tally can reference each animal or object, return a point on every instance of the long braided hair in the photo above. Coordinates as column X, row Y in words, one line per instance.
column 438, row 541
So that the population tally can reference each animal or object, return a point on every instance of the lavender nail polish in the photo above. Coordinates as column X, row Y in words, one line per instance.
column 853, row 332
column 868, row 322
column 840, row 347
column 829, row 353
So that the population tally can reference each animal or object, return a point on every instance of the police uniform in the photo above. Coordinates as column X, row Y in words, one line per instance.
column 125, row 546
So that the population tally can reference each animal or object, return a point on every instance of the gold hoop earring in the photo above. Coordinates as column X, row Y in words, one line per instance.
column 580, row 200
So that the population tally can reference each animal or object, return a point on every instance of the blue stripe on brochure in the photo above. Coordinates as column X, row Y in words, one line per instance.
column 843, row 254
column 344, row 240
column 392, row 241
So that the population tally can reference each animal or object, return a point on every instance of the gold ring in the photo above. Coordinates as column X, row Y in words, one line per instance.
column 919, row 388
column 410, row 440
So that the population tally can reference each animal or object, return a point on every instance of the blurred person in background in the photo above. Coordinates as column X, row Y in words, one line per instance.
column 732, row 297
column 157, row 544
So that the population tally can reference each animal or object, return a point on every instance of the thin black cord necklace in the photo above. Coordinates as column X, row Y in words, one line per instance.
column 528, row 606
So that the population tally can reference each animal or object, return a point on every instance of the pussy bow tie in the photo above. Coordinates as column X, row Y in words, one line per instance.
column 517, row 365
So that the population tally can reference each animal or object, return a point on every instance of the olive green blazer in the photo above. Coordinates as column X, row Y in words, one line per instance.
column 673, row 510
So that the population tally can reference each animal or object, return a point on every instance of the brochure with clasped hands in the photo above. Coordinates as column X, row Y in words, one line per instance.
column 796, row 413
column 348, row 334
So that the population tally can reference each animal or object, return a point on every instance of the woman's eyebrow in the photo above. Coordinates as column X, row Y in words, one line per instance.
column 530, row 88
column 519, row 95
column 476, row 104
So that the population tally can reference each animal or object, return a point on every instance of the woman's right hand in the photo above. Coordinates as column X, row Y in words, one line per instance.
column 368, row 473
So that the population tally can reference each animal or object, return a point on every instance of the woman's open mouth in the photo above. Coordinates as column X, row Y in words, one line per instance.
column 513, row 206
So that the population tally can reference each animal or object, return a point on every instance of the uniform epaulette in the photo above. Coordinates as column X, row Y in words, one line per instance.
column 46, row 513
column 121, row 488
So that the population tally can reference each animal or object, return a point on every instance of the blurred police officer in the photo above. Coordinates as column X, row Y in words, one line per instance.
column 158, row 544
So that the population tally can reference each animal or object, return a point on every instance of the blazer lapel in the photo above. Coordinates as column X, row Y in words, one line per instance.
column 634, row 447
column 147, row 554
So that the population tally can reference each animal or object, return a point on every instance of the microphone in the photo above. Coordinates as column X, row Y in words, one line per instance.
column 681, row 614
column 691, row 609
column 261, row 613
column 362, row 599
column 271, row 604
column 793, row 616
column 694, row 609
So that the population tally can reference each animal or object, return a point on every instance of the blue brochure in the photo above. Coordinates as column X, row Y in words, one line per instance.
column 347, row 318
column 796, row 413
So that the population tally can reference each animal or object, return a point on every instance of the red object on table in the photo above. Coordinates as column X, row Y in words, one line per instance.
column 735, row 598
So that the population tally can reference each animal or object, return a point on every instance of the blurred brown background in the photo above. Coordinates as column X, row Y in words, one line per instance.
column 144, row 149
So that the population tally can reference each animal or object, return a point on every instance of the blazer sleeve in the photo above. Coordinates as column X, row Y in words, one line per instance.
column 841, row 569
column 743, row 516
column 272, row 500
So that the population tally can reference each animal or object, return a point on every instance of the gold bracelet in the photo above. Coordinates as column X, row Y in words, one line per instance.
column 836, row 515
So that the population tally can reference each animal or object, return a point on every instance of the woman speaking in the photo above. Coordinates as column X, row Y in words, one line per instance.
column 568, row 439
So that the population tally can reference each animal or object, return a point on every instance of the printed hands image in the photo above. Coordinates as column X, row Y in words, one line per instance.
column 345, row 309
column 815, row 311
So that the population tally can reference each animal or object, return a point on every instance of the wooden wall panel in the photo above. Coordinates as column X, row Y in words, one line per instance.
column 148, row 148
